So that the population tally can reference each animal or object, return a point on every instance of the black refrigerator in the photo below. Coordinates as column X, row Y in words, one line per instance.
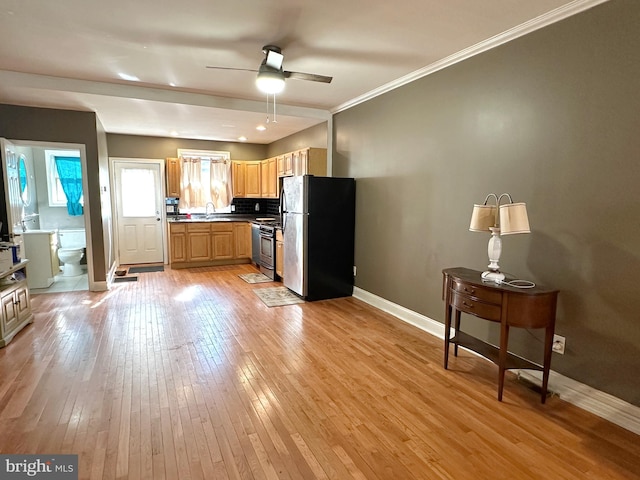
column 318, row 226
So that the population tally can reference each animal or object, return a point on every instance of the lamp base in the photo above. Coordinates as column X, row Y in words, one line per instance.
column 493, row 276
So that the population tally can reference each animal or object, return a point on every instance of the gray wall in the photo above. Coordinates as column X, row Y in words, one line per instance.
column 315, row 137
column 133, row 146
column 551, row 118
column 64, row 126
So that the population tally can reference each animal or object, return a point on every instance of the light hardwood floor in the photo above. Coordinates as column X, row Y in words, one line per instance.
column 186, row 374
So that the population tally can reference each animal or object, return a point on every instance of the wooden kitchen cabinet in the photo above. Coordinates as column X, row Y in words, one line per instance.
column 222, row 241
column 269, row 181
column 310, row 161
column 246, row 179
column 280, row 165
column 238, row 176
column 279, row 254
column 172, row 175
column 177, row 242
column 288, row 164
column 253, row 185
column 307, row 161
column 15, row 301
column 242, row 239
column 198, row 244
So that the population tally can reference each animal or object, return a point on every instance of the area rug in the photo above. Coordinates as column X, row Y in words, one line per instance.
column 277, row 296
column 254, row 277
column 147, row 269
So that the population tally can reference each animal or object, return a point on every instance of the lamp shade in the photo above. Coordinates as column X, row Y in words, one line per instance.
column 482, row 217
column 514, row 219
column 270, row 80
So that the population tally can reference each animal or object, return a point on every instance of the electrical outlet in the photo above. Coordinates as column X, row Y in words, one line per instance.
column 354, row 271
column 558, row 344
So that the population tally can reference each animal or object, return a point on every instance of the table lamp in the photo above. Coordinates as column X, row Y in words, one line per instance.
column 498, row 219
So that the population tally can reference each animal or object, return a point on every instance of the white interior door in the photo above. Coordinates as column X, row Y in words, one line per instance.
column 138, row 196
column 13, row 194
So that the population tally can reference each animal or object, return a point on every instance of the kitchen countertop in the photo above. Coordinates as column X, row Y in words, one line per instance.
column 221, row 217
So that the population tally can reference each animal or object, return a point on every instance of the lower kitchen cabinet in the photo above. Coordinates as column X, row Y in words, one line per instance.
column 242, row 239
column 177, row 243
column 195, row 244
column 15, row 301
column 222, row 241
column 198, row 242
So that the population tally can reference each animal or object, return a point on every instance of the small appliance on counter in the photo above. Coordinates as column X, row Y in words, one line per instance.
column 172, row 206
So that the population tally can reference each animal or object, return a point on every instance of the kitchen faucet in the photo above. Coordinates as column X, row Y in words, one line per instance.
column 206, row 209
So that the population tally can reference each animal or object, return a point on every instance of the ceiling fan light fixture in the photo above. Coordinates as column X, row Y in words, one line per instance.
column 270, row 81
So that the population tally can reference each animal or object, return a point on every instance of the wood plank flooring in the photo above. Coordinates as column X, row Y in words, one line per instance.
column 186, row 374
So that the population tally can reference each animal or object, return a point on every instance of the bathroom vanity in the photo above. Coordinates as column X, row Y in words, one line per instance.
column 40, row 248
column 15, row 313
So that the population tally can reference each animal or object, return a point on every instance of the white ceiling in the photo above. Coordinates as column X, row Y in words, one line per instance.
column 69, row 54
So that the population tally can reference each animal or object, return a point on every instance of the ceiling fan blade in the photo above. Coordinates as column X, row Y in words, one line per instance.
column 308, row 76
column 231, row 68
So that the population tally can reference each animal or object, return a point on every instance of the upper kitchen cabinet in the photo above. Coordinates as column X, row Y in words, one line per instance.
column 246, row 179
column 238, row 174
column 173, row 177
column 308, row 161
column 269, row 182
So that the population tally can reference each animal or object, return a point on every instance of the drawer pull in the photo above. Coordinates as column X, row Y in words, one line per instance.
column 468, row 305
column 470, row 290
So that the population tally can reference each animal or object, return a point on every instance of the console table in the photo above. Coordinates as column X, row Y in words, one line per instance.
column 464, row 291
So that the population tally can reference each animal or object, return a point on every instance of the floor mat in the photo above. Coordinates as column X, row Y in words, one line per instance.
column 124, row 279
column 254, row 277
column 277, row 296
column 147, row 269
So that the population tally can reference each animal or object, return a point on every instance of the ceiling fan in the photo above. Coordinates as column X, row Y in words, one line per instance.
column 271, row 76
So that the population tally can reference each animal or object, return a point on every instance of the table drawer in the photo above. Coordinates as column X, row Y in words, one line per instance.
column 471, row 305
column 485, row 294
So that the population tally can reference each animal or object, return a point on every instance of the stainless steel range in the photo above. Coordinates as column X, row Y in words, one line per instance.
column 268, row 249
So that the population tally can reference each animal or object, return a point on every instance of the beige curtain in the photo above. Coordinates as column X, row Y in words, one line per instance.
column 220, row 183
column 196, row 191
column 191, row 184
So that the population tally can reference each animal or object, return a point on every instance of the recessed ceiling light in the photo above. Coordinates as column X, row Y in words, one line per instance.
column 261, row 128
column 131, row 78
column 171, row 84
column 242, row 139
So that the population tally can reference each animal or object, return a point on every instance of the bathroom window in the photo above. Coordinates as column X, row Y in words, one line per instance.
column 56, row 190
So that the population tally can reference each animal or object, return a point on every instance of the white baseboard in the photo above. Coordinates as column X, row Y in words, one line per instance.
column 604, row 405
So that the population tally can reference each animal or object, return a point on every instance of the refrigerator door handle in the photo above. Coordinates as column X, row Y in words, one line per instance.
column 283, row 209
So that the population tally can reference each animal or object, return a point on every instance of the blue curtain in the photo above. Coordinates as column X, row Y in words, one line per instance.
column 22, row 173
column 70, row 173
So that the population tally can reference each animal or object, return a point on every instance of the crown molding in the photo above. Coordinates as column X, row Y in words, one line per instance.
column 553, row 16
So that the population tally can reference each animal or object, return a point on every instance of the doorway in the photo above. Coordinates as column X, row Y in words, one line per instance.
column 36, row 213
column 138, row 206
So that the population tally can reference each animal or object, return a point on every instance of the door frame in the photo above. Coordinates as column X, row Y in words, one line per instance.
column 93, row 285
column 163, row 212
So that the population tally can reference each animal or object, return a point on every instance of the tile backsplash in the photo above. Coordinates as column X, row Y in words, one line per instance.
column 254, row 206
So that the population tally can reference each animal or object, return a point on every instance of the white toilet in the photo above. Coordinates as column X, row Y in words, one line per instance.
column 72, row 245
